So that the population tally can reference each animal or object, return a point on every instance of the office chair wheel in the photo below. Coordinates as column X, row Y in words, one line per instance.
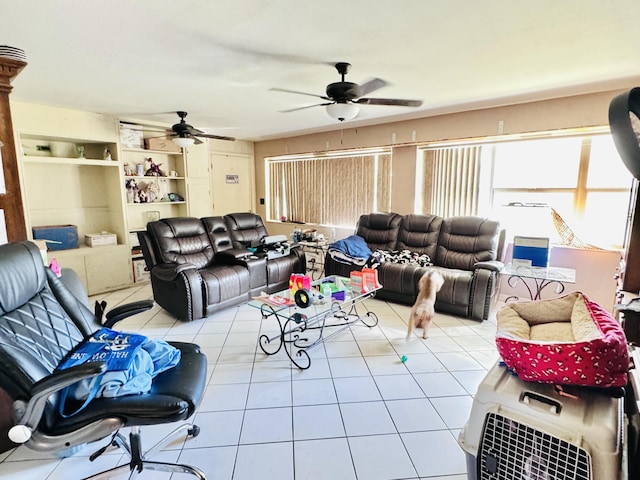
column 194, row 431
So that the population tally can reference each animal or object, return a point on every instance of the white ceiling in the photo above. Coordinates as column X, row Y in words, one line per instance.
column 218, row 59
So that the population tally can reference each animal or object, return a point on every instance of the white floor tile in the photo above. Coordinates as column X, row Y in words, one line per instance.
column 423, row 363
column 269, row 394
column 317, row 421
column 458, row 361
column 225, row 373
column 348, row 367
column 271, row 369
column 216, row 463
column 314, row 392
column 381, row 457
column 386, row 365
column 224, row 397
column 356, row 389
column 415, row 415
column 440, row 384
column 453, row 410
column 470, row 379
column 267, row 425
column 435, row 453
column 394, row 387
column 347, row 348
column 366, row 418
column 327, row 459
column 217, row 429
column 376, row 347
column 270, row 461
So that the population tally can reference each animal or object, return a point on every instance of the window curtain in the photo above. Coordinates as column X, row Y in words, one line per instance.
column 329, row 191
column 451, row 181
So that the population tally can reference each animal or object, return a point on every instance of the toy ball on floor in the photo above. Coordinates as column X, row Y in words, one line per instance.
column 403, row 358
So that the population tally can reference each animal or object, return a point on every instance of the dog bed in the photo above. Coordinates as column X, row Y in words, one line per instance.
column 569, row 340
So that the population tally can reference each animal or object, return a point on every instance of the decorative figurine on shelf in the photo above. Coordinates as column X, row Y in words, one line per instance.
column 149, row 192
column 154, row 169
column 106, row 155
column 81, row 151
column 128, row 171
column 132, row 190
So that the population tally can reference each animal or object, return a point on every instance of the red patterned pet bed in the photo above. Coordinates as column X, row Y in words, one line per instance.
column 569, row 340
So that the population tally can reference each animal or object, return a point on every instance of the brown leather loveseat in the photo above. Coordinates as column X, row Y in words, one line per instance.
column 466, row 250
column 199, row 266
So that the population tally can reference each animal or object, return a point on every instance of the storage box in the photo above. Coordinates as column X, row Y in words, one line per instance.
column 530, row 252
column 58, row 237
column 525, row 430
column 162, row 144
column 131, row 135
column 140, row 272
column 100, row 239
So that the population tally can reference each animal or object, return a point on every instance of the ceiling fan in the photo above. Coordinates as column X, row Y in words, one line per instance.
column 344, row 97
column 185, row 135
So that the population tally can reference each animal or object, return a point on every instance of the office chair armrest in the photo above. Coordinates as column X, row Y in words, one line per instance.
column 121, row 312
column 27, row 415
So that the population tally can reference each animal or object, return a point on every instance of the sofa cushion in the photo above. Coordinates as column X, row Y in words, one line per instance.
column 181, row 240
column 380, row 230
column 463, row 241
column 246, row 229
column 218, row 232
column 419, row 233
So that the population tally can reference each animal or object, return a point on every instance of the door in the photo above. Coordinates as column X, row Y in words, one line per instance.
column 233, row 184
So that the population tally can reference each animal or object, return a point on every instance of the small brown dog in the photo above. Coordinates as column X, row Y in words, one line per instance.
column 422, row 311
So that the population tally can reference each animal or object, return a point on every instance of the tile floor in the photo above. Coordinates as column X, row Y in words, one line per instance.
column 357, row 413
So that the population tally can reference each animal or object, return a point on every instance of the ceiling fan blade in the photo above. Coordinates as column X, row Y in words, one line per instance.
column 370, row 86
column 305, row 107
column 299, row 93
column 216, row 137
column 196, row 141
column 193, row 131
column 389, row 101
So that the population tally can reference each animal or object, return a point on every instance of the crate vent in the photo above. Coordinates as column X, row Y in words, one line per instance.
column 510, row 450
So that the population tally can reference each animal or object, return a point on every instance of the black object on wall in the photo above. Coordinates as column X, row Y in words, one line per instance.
column 624, row 120
column 624, row 115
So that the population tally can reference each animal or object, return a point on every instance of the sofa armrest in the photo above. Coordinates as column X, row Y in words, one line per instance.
column 493, row 265
column 168, row 272
column 229, row 256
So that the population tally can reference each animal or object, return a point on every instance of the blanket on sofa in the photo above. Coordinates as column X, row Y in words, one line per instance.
column 352, row 250
column 568, row 340
column 398, row 256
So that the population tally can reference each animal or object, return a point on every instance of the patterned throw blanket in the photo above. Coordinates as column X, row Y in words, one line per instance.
column 398, row 256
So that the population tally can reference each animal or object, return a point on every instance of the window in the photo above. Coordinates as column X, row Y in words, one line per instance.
column 333, row 189
column 533, row 185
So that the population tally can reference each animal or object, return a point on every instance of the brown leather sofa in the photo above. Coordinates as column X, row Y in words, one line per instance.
column 199, row 266
column 466, row 250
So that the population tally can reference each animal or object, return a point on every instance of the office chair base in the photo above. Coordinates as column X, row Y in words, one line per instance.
column 139, row 460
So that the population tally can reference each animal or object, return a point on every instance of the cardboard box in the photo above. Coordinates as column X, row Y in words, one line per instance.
column 42, row 246
column 162, row 144
column 58, row 237
column 140, row 272
column 530, row 252
column 100, row 239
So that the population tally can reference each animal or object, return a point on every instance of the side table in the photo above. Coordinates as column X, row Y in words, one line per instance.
column 536, row 279
column 315, row 252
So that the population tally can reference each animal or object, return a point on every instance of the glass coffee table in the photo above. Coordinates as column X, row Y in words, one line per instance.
column 301, row 329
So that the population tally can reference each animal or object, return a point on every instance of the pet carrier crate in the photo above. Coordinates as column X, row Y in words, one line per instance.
column 521, row 430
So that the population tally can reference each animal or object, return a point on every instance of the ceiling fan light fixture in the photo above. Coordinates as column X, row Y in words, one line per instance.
column 342, row 111
column 184, row 142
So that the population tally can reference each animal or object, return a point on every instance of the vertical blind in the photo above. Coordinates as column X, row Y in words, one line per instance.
column 329, row 190
column 451, row 181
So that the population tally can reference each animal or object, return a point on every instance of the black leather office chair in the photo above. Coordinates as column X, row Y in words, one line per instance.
column 40, row 322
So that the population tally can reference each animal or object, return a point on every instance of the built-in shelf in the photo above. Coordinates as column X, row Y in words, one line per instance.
column 93, row 162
